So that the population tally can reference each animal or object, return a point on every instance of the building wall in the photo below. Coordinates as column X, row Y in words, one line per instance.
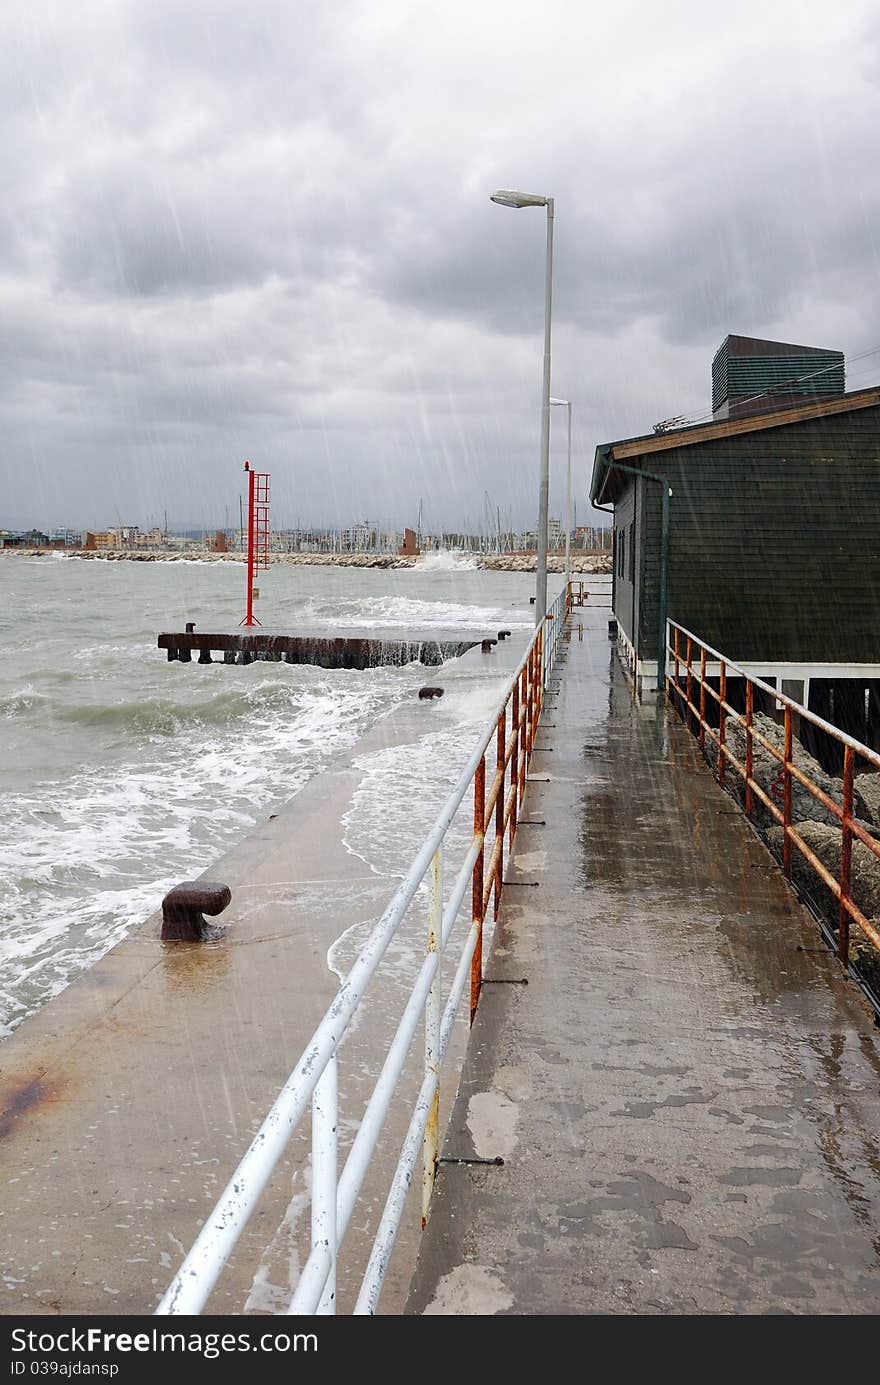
column 623, row 560
column 774, row 550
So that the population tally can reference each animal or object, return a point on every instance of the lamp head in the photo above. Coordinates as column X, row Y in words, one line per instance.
column 505, row 198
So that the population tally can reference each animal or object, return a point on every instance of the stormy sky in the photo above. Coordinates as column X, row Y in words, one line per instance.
column 263, row 230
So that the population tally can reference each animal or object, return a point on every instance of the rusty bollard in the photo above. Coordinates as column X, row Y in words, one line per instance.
column 426, row 693
column 183, row 907
column 503, row 634
column 190, row 626
column 488, row 645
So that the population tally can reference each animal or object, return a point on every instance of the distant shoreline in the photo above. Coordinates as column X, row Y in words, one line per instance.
column 492, row 562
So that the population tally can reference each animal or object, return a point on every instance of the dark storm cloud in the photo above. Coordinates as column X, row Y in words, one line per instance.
column 264, row 229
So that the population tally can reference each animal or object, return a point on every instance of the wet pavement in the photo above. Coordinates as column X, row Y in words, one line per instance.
column 686, row 1094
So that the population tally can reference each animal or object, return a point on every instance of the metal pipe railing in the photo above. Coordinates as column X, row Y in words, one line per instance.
column 679, row 690
column 314, row 1078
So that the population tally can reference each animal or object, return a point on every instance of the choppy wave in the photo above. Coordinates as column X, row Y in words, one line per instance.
column 167, row 716
column 21, row 703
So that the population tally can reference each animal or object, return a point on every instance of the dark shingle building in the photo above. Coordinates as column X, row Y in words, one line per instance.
column 774, row 544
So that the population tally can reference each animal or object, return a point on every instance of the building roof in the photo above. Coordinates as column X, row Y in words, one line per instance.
column 629, row 449
column 760, row 346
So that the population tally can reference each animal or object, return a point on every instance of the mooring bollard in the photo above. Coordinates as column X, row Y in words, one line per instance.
column 488, row 645
column 612, row 629
column 426, row 693
column 183, row 907
column 190, row 626
column 503, row 634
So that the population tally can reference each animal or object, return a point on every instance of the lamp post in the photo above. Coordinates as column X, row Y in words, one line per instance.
column 505, row 198
column 567, row 403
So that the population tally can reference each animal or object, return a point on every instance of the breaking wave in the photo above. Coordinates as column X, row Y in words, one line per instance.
column 446, row 560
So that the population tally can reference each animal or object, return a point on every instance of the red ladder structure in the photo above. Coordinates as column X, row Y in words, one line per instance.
column 258, row 534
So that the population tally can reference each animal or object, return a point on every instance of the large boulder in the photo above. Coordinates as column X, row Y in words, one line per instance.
column 866, row 796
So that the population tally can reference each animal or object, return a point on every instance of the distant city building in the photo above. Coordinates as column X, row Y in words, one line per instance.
column 152, row 538
column 30, row 538
column 360, row 538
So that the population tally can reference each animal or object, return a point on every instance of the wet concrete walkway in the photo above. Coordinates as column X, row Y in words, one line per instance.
column 686, row 1095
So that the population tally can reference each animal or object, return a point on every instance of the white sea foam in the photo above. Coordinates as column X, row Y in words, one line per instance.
column 419, row 616
column 445, row 560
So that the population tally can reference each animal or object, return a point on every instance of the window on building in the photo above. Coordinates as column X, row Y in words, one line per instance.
column 631, row 552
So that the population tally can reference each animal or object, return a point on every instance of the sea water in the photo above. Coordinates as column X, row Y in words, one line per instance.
column 121, row 773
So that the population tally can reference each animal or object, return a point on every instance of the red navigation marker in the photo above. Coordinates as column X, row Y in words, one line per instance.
column 258, row 534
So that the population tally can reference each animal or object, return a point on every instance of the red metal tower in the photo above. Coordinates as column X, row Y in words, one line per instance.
column 258, row 534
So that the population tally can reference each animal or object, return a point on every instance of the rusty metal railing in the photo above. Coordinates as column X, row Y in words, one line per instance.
column 688, row 687
column 314, row 1079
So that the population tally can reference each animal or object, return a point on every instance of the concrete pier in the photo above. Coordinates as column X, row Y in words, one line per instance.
column 686, row 1094
column 358, row 649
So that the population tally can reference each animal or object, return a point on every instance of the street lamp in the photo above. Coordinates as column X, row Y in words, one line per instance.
column 567, row 403
column 506, row 198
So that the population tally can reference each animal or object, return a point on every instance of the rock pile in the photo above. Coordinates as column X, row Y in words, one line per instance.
column 767, row 771
column 818, row 827
column 503, row 562
column 825, row 841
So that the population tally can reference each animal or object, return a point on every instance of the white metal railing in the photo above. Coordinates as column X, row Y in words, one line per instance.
column 315, row 1077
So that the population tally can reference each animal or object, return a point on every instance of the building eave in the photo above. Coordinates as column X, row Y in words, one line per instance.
column 650, row 443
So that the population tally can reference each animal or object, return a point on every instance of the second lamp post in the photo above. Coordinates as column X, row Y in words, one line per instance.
column 506, row 198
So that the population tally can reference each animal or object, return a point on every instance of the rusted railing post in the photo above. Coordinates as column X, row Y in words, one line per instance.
column 523, row 735
column 722, row 719
column 688, row 714
column 786, row 797
column 749, row 710
column 845, row 856
column 703, row 698
column 530, row 698
column 675, row 656
column 477, row 890
column 500, row 747
column 514, row 764
column 430, row 1144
